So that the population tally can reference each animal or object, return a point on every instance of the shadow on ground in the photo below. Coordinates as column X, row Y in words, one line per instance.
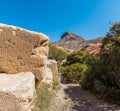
column 85, row 101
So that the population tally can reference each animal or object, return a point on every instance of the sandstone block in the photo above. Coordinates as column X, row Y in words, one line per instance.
column 16, row 91
column 22, row 50
column 52, row 64
column 48, row 79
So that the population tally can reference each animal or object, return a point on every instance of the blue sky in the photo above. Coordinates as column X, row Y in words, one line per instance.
column 87, row 18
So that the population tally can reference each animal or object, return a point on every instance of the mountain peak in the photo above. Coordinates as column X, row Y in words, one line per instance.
column 71, row 36
column 66, row 34
column 72, row 41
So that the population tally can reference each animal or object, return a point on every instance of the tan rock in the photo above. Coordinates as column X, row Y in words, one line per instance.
column 48, row 79
column 16, row 91
column 52, row 64
column 22, row 50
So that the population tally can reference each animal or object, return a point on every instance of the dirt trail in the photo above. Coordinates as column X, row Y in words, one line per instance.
column 83, row 100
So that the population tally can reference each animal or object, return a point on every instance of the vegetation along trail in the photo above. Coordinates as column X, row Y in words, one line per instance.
column 83, row 100
column 96, row 71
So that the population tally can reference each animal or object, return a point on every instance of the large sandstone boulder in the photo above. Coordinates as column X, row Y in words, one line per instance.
column 16, row 91
column 52, row 64
column 22, row 50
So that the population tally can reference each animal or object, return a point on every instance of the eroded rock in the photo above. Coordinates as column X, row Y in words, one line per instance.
column 52, row 64
column 22, row 50
column 49, row 77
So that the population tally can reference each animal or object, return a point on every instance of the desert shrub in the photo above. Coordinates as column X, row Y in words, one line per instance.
column 77, row 57
column 44, row 98
column 56, row 53
column 74, row 73
column 103, row 76
column 75, row 67
column 48, row 100
column 113, row 95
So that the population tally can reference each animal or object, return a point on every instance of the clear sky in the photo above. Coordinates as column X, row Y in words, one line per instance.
column 87, row 18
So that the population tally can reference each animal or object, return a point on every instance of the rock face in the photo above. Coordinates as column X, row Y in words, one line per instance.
column 71, row 41
column 16, row 91
column 52, row 64
column 49, row 77
column 52, row 75
column 94, row 48
column 22, row 50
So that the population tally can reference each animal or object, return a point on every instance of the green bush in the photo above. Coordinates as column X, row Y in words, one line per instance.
column 103, row 76
column 77, row 57
column 74, row 73
column 56, row 53
column 75, row 67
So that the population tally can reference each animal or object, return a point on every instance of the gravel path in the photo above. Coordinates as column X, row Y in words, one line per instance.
column 83, row 100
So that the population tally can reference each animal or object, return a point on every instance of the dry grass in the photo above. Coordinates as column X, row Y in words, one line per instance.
column 47, row 100
column 44, row 97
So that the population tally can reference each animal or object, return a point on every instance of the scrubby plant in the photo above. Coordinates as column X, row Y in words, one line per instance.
column 56, row 53
column 103, row 77
column 48, row 100
column 44, row 97
column 75, row 66
column 75, row 72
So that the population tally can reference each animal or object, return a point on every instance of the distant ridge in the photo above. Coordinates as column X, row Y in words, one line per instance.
column 72, row 41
